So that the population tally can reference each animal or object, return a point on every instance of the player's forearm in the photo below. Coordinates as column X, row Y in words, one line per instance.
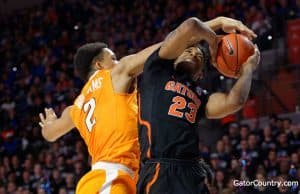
column 134, row 64
column 201, row 31
column 149, row 50
column 240, row 91
column 145, row 53
column 215, row 24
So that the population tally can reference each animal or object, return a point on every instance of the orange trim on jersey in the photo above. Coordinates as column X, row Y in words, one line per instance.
column 149, row 185
column 148, row 126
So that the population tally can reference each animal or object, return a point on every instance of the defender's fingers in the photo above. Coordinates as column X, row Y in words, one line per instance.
column 48, row 113
column 51, row 111
column 41, row 124
column 42, row 117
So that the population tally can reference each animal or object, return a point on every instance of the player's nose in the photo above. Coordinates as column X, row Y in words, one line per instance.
column 196, row 59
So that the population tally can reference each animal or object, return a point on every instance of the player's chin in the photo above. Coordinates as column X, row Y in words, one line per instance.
column 185, row 67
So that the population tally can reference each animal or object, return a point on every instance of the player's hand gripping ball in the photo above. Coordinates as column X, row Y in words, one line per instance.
column 233, row 52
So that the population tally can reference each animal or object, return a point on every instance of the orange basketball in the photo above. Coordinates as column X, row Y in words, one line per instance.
column 233, row 51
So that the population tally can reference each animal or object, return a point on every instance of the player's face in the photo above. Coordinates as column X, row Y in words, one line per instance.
column 109, row 59
column 191, row 60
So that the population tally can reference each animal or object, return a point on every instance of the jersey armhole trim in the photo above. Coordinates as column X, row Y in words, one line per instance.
column 120, row 93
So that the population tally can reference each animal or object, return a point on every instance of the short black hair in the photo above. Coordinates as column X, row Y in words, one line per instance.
column 85, row 56
column 204, row 47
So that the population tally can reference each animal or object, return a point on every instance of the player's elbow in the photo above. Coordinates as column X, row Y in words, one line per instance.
column 234, row 106
column 48, row 136
column 237, row 98
column 193, row 25
column 241, row 101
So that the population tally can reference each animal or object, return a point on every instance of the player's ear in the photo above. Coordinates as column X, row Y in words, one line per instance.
column 98, row 65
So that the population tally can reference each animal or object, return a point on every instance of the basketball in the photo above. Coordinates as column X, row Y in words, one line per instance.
column 233, row 51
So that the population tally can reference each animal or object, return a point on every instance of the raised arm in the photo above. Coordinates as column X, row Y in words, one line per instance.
column 222, row 104
column 132, row 65
column 53, row 127
column 190, row 32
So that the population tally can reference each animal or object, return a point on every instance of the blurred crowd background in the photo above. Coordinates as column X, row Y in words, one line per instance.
column 37, row 45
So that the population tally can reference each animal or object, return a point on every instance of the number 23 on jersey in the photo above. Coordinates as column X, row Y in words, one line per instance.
column 176, row 109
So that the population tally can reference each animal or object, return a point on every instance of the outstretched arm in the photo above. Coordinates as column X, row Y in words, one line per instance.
column 188, row 33
column 192, row 31
column 221, row 104
column 132, row 65
column 53, row 127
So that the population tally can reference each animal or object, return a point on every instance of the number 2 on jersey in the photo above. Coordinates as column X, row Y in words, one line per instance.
column 89, row 108
column 179, row 103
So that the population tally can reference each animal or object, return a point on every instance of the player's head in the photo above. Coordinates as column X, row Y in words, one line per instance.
column 192, row 61
column 91, row 57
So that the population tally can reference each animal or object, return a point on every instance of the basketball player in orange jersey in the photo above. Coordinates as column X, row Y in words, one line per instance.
column 105, row 113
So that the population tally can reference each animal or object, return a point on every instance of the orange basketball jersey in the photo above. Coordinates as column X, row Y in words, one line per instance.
column 107, row 121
